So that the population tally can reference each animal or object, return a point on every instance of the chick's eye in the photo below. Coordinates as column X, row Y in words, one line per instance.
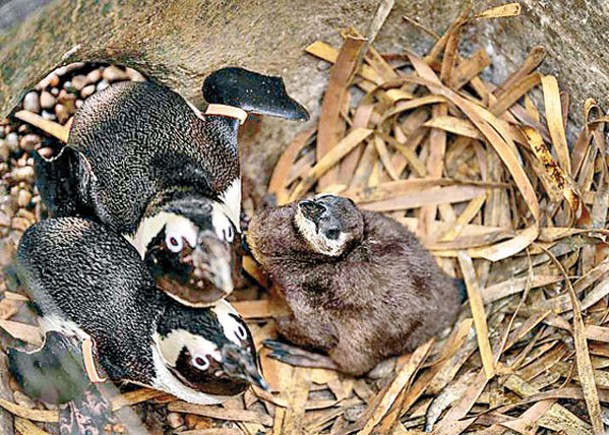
column 200, row 362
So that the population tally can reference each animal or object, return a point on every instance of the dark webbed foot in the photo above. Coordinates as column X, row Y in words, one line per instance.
column 298, row 357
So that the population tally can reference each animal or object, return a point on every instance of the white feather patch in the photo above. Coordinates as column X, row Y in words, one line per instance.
column 166, row 381
column 229, row 324
column 151, row 226
column 230, row 203
column 319, row 243
column 171, row 346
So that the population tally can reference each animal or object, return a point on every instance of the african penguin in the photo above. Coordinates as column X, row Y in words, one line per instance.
column 89, row 283
column 360, row 286
column 137, row 148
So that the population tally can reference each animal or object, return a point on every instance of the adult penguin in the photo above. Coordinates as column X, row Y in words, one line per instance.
column 144, row 161
column 98, row 303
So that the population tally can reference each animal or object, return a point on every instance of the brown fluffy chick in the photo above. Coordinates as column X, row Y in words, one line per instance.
column 360, row 286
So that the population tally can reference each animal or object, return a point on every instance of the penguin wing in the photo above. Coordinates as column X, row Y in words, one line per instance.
column 252, row 92
column 54, row 373
column 58, row 180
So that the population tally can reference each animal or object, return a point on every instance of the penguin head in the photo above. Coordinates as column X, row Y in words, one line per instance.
column 188, row 250
column 329, row 223
column 209, row 350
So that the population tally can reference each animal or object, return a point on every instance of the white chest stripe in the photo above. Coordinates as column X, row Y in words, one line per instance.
column 230, row 203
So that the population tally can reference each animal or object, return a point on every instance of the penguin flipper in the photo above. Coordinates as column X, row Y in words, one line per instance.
column 252, row 92
column 58, row 183
column 53, row 373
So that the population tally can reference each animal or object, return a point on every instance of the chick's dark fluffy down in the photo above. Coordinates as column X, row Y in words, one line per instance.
column 384, row 296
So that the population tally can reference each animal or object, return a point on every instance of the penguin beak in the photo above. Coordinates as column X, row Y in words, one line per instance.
column 212, row 260
column 240, row 363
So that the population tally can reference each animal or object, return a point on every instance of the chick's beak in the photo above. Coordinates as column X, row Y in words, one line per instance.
column 240, row 363
column 212, row 260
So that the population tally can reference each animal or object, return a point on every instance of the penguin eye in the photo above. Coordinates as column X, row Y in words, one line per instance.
column 174, row 243
column 201, row 362
column 241, row 332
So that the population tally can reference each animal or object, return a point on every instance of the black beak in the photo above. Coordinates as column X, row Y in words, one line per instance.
column 212, row 259
column 240, row 363
column 312, row 210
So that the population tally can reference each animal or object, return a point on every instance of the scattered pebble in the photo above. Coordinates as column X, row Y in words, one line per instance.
column 20, row 224
column 103, row 84
column 31, row 102
column 62, row 113
column 114, row 73
column 48, row 115
column 94, row 76
column 29, row 142
column 23, row 400
column 4, row 151
column 87, row 91
column 79, row 103
column 12, row 140
column 24, row 198
column 175, row 420
column 47, row 100
column 135, row 75
column 25, row 173
column 5, row 221
column 79, row 82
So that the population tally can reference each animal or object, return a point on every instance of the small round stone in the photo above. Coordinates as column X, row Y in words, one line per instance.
column 135, row 75
column 47, row 100
column 79, row 103
column 79, row 82
column 103, row 84
column 4, row 151
column 87, row 91
column 48, row 115
column 20, row 224
column 23, row 198
column 31, row 102
column 114, row 73
column 62, row 113
column 29, row 142
column 12, row 140
column 25, row 173
column 175, row 420
column 94, row 76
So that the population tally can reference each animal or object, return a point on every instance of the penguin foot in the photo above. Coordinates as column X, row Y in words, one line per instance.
column 90, row 413
column 295, row 356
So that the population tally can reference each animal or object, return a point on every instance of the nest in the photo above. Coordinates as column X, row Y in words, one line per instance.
column 488, row 178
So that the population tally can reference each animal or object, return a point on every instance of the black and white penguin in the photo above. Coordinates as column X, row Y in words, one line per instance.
column 141, row 160
column 89, row 284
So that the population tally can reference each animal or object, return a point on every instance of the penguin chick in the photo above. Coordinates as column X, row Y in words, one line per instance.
column 139, row 142
column 89, row 283
column 360, row 286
